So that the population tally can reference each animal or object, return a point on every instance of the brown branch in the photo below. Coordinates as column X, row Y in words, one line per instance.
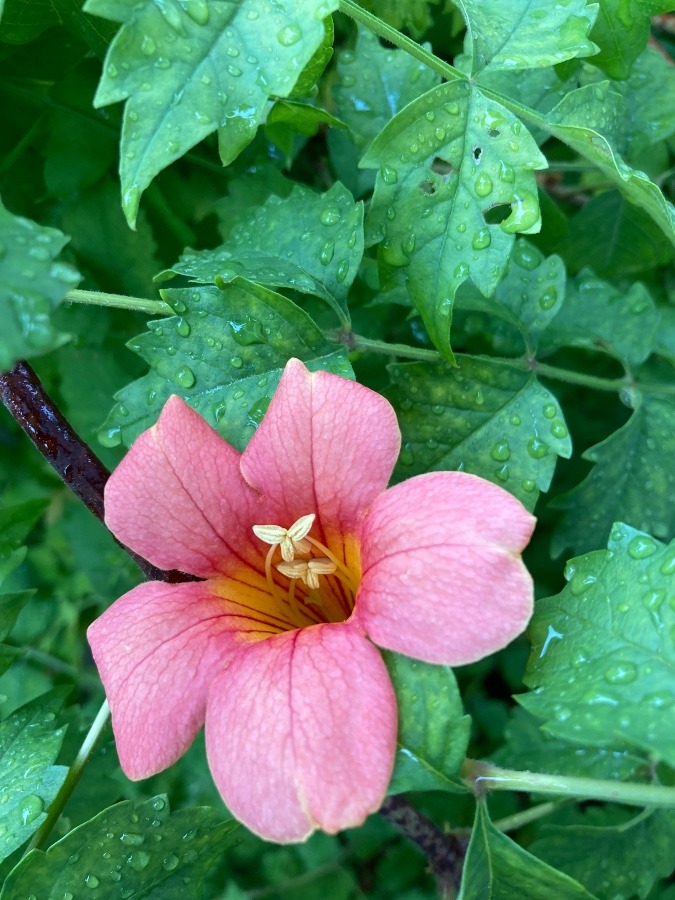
column 445, row 852
column 69, row 456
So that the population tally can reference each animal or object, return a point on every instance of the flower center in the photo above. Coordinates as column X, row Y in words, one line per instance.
column 305, row 561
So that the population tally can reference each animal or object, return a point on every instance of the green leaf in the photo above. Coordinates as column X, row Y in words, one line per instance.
column 433, row 732
column 632, row 480
column 621, row 32
column 528, row 297
column 29, row 744
column 647, row 98
column 188, row 68
column 527, row 34
column 577, row 121
column 603, row 650
column 528, row 747
column 598, row 316
column 312, row 243
column 613, row 237
column 31, row 286
column 118, row 854
column 306, row 83
column 372, row 84
column 413, row 15
column 496, row 868
column 622, row 859
column 444, row 161
column 25, row 20
column 17, row 521
column 223, row 354
column 289, row 122
column 483, row 417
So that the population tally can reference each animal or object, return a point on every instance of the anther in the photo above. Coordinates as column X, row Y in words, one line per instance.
column 309, row 570
column 289, row 540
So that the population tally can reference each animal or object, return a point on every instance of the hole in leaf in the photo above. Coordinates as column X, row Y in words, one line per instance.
column 496, row 214
column 441, row 166
column 494, row 132
column 477, row 153
column 427, row 187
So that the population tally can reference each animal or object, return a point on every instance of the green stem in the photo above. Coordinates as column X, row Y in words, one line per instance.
column 75, row 772
column 121, row 301
column 568, row 376
column 483, row 776
column 373, row 23
column 356, row 342
column 526, row 816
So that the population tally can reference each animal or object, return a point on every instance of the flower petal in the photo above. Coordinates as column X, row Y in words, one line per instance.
column 157, row 649
column 442, row 580
column 301, row 732
column 178, row 497
column 326, row 445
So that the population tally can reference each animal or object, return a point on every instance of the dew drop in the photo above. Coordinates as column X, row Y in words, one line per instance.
column 185, row 377
column 169, row 863
column 452, row 108
column 580, row 583
column 342, row 270
column 500, row 451
column 548, row 299
column 528, row 485
column 652, row 600
column 667, row 567
column 507, row 173
column 514, row 419
column 31, row 807
column 91, row 881
column 233, row 70
column 148, row 46
column 536, row 448
column 524, row 213
column 558, row 430
column 236, row 362
column 326, row 253
column 110, row 437
column 481, row 239
column 483, row 185
column 183, row 327
column 621, row 673
column 138, row 860
column 389, row 175
column 289, row 35
column 641, row 547
column 330, row 215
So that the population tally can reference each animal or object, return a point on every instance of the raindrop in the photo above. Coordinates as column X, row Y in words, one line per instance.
column 549, row 298
column 514, row 419
column 528, row 485
column 342, row 270
column 389, row 175
column 326, row 253
column 621, row 673
column 39, row 253
column 110, row 437
column 91, row 881
column 409, row 244
column 148, row 46
column 481, row 239
column 31, row 807
column 483, row 185
column 452, row 108
column 558, row 430
column 668, row 565
column 500, row 451
column 169, row 863
column 248, row 332
column 641, row 547
column 185, row 377
column 330, row 216
column 581, row 583
column 652, row 600
column 131, row 838
column 183, row 328
column 550, row 410
column 233, row 70
column 524, row 213
column 507, row 173
column 198, row 10
column 289, row 35
column 138, row 860
column 536, row 448
column 236, row 362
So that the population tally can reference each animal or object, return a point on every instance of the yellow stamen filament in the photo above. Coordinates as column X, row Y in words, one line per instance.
column 345, row 574
column 309, row 570
column 289, row 540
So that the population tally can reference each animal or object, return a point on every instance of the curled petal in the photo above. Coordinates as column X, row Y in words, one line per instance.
column 326, row 446
column 178, row 497
column 301, row 732
column 157, row 649
column 442, row 579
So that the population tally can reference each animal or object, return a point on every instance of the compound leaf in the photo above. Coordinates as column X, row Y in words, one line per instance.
column 527, row 34
column 496, row 868
column 445, row 161
column 188, row 67
column 312, row 243
column 32, row 284
column 483, row 417
column 223, row 354
column 603, row 649
column 433, row 732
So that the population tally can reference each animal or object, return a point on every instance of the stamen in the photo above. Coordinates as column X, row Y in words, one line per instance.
column 309, row 570
column 345, row 574
column 289, row 540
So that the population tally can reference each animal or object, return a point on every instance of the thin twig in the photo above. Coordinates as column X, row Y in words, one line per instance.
column 69, row 456
column 445, row 852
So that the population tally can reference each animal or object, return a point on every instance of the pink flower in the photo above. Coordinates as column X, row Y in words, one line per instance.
column 306, row 560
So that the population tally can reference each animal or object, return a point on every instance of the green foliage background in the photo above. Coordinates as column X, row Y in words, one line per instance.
column 472, row 216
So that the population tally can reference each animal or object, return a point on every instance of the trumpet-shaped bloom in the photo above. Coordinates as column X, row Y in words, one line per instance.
column 307, row 563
